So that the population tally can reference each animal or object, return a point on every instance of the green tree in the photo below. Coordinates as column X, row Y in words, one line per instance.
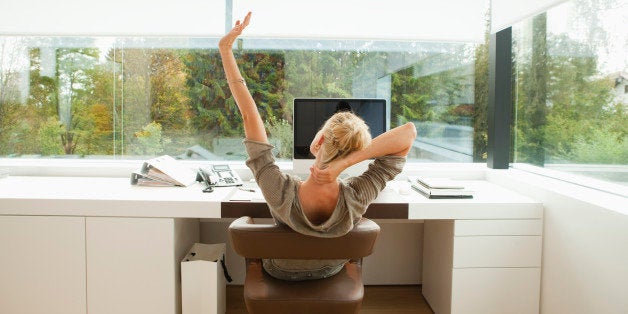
column 281, row 132
column 209, row 100
column 74, row 88
column 153, row 88
column 99, row 139
column 565, row 106
column 20, row 119
column 480, row 98
column 170, row 102
column 9, row 94
column 101, row 110
column 134, row 107
column 8, row 117
column 313, row 73
column 531, row 103
column 150, row 141
column 410, row 96
column 48, row 136
column 214, row 109
column 603, row 146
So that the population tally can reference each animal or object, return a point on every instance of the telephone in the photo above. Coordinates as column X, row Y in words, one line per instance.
column 219, row 175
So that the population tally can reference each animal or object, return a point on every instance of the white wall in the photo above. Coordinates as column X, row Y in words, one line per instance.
column 112, row 17
column 585, row 245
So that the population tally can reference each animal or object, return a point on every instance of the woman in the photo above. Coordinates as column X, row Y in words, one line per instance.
column 322, row 205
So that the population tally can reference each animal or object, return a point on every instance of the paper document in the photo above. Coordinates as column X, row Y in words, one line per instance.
column 437, row 183
column 440, row 188
column 164, row 171
column 247, row 194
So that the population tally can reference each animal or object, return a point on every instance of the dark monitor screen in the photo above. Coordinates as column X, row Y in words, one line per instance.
column 311, row 113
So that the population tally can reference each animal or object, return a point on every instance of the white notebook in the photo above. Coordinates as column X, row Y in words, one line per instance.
column 440, row 188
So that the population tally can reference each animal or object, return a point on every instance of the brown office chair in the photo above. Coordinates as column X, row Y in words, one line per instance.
column 341, row 293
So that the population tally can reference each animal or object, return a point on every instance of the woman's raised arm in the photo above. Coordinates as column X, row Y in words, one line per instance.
column 394, row 142
column 253, row 124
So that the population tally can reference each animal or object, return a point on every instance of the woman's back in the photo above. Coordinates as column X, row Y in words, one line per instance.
column 318, row 201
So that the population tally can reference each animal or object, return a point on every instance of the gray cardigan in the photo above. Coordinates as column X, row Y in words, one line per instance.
column 280, row 191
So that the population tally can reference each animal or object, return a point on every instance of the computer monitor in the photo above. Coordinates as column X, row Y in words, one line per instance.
column 311, row 113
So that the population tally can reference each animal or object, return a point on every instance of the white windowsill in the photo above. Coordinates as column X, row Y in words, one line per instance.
column 542, row 188
column 578, row 180
column 123, row 168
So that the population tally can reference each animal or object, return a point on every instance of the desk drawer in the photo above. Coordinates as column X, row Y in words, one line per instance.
column 498, row 227
column 497, row 251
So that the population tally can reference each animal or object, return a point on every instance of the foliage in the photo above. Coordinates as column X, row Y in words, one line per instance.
column 565, row 108
column 169, row 106
column 282, row 132
column 602, row 146
column 321, row 73
column 133, row 100
column 150, row 141
column 274, row 79
column 9, row 95
column 480, row 100
column 410, row 98
column 49, row 134
column 74, row 87
column 214, row 107
column 8, row 115
column 531, row 104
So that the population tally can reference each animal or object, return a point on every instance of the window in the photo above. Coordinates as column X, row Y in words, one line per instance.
column 571, row 109
column 132, row 98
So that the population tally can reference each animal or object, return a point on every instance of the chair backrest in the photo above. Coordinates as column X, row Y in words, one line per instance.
column 271, row 241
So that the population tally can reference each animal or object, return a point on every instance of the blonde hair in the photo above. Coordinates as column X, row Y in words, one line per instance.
column 344, row 133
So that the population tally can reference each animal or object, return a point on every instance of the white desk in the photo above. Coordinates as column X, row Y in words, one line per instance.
column 111, row 247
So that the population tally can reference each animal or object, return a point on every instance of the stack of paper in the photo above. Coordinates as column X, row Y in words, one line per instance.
column 163, row 171
column 439, row 187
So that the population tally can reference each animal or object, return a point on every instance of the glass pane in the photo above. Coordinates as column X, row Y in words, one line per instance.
column 571, row 100
column 133, row 98
column 56, row 97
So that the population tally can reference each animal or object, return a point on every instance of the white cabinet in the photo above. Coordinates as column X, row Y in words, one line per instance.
column 495, row 290
column 42, row 265
column 133, row 264
column 482, row 266
column 78, row 265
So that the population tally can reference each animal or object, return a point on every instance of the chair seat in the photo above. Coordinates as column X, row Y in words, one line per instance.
column 341, row 293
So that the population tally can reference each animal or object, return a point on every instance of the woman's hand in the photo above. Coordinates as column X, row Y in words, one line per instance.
column 330, row 173
column 227, row 40
column 321, row 176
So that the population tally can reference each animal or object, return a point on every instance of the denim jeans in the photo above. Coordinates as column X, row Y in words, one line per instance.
column 324, row 270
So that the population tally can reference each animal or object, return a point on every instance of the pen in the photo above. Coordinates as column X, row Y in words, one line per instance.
column 246, row 189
